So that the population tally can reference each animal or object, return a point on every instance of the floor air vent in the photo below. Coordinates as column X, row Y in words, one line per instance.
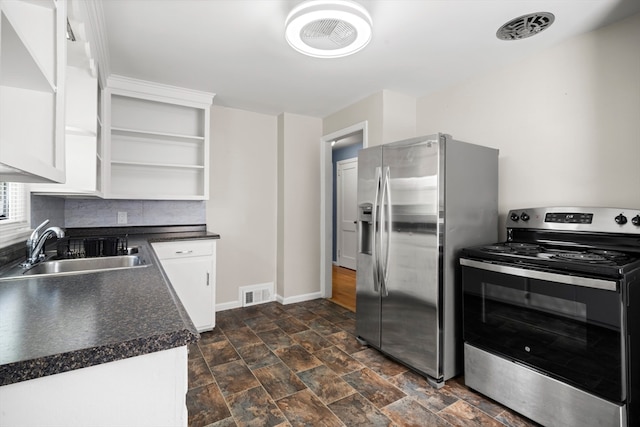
column 256, row 294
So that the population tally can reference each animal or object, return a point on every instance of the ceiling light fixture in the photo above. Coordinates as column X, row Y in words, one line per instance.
column 328, row 28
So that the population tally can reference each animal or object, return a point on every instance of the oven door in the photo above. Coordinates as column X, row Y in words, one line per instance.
column 564, row 326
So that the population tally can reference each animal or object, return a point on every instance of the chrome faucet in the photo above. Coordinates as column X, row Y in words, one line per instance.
column 36, row 242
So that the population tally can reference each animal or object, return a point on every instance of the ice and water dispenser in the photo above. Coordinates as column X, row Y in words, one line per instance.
column 365, row 228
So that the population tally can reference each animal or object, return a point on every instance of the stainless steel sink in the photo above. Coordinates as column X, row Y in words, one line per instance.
column 86, row 264
column 76, row 266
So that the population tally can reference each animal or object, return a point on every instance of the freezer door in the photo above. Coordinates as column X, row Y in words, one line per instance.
column 367, row 285
column 410, row 247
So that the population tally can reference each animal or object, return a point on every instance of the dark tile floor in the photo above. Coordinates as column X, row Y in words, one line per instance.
column 300, row 365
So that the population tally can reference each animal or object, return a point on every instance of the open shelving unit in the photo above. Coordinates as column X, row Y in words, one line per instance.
column 157, row 141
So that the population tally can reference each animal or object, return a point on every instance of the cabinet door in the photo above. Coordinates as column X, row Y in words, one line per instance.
column 193, row 280
column 32, row 90
column 81, row 151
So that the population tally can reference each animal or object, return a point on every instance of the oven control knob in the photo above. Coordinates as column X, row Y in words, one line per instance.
column 514, row 217
column 621, row 219
column 524, row 216
column 636, row 220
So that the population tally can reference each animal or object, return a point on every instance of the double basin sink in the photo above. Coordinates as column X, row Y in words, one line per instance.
column 59, row 267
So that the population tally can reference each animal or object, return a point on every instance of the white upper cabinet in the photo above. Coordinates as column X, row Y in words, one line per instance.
column 32, row 88
column 156, row 141
column 81, row 150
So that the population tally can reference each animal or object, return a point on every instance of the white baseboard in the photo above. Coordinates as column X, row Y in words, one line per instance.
column 228, row 306
column 298, row 298
column 284, row 301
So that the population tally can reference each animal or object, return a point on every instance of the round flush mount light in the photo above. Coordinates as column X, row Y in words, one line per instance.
column 328, row 28
column 525, row 26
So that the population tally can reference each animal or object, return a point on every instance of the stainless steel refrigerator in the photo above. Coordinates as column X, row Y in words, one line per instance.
column 419, row 202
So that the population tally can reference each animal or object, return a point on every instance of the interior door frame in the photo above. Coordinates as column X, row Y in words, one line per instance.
column 326, row 202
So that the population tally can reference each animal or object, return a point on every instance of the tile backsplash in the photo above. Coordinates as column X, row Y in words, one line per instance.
column 51, row 208
column 104, row 213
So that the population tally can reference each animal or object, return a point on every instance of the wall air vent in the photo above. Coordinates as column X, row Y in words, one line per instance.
column 525, row 26
column 256, row 294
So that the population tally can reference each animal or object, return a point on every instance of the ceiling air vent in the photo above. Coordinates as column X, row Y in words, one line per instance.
column 525, row 26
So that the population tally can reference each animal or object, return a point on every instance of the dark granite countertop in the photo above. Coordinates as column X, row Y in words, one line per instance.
column 55, row 324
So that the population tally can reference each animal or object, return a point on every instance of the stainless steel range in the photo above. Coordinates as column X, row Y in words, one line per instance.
column 552, row 316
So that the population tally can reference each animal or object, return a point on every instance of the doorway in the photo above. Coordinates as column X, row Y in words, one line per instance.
column 355, row 137
column 343, row 272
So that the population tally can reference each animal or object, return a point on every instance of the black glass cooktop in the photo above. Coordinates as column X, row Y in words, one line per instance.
column 596, row 261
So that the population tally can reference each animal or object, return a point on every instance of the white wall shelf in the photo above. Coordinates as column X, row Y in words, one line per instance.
column 157, row 165
column 155, row 182
column 169, row 136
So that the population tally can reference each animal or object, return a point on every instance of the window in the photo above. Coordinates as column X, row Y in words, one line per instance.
column 14, row 213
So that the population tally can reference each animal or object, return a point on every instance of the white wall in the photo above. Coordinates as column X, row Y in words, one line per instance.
column 265, row 203
column 369, row 109
column 399, row 116
column 242, row 205
column 390, row 116
column 298, row 207
column 566, row 121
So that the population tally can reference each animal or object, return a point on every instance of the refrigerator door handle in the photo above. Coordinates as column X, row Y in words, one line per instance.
column 385, row 201
column 376, row 231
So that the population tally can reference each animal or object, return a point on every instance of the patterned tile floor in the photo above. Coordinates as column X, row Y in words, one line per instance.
column 300, row 365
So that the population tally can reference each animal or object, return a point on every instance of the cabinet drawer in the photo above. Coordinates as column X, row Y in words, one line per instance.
column 183, row 248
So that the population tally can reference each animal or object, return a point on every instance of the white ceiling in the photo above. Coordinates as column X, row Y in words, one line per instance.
column 236, row 48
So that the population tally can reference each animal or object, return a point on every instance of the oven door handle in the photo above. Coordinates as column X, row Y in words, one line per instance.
column 587, row 282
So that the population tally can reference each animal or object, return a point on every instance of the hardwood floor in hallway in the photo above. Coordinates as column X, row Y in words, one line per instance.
column 344, row 287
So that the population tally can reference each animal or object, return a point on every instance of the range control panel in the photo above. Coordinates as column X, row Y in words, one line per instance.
column 569, row 218
column 596, row 220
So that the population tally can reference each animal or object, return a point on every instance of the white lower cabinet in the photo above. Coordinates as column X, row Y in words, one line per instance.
column 143, row 391
column 191, row 268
